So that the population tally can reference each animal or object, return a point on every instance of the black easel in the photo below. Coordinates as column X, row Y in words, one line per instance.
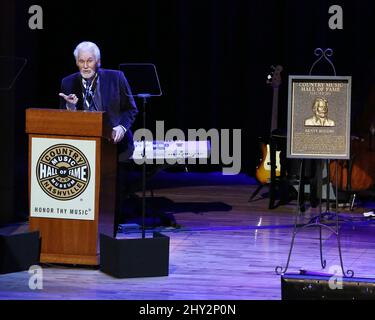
column 317, row 221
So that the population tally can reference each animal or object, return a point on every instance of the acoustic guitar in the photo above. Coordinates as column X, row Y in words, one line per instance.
column 263, row 171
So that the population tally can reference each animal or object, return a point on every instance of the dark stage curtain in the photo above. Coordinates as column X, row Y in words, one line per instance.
column 212, row 56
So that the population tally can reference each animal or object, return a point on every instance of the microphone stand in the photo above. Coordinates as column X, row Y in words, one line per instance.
column 136, row 257
column 144, row 98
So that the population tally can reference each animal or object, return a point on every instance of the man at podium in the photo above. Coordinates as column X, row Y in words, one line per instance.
column 97, row 89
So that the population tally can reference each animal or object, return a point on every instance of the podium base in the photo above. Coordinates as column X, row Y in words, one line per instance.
column 69, row 259
column 18, row 252
column 131, row 258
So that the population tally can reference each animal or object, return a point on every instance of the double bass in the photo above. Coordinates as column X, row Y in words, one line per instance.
column 358, row 174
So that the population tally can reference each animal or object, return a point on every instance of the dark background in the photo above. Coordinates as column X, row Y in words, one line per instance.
column 212, row 57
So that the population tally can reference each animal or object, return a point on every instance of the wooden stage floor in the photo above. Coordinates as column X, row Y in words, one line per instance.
column 225, row 248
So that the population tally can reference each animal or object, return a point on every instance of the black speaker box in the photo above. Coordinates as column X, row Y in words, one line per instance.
column 19, row 251
column 130, row 258
column 314, row 287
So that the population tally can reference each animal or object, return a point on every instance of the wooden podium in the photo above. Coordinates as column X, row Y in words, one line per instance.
column 72, row 182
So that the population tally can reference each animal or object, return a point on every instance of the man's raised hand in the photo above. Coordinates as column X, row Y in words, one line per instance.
column 71, row 98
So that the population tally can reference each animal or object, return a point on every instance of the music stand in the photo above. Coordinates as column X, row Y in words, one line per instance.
column 144, row 257
column 10, row 70
column 144, row 83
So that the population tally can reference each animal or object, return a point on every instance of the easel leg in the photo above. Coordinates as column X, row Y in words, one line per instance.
column 323, row 261
column 279, row 269
column 348, row 273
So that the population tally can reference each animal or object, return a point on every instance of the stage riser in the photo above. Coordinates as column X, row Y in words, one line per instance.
column 19, row 252
column 131, row 258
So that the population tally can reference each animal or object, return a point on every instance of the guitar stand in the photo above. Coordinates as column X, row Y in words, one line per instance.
column 255, row 193
column 282, row 183
column 317, row 222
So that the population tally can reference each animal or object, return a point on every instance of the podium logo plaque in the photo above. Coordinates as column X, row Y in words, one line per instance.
column 63, row 172
column 62, row 184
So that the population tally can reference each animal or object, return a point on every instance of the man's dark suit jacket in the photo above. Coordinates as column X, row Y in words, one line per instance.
column 115, row 100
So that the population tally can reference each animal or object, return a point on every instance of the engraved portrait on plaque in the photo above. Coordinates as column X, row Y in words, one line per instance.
column 320, row 114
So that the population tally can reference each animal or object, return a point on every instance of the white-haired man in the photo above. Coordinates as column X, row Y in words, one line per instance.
column 94, row 88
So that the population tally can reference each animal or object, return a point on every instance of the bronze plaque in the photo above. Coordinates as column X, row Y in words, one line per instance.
column 319, row 117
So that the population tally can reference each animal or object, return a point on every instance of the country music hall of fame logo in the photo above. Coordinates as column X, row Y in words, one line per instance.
column 63, row 172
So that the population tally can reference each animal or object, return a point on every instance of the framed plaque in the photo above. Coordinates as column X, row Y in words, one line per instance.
column 319, row 117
